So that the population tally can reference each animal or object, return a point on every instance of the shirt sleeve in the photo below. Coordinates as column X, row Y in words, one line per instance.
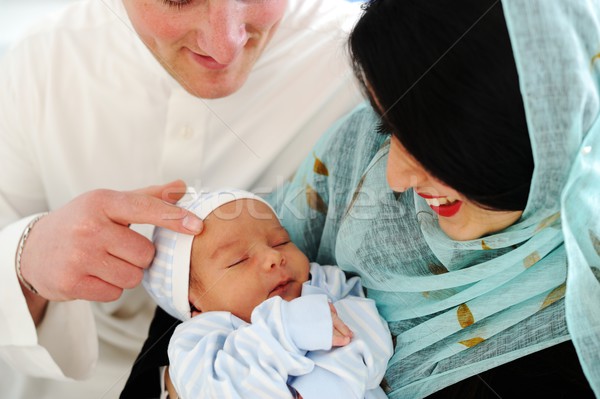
column 357, row 368
column 353, row 370
column 218, row 355
column 333, row 280
column 63, row 347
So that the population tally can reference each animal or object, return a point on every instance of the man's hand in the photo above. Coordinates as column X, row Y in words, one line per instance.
column 342, row 335
column 86, row 250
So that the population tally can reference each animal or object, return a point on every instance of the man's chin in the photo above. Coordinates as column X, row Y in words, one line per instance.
column 212, row 88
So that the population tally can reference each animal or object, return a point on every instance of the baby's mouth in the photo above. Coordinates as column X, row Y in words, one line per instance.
column 280, row 288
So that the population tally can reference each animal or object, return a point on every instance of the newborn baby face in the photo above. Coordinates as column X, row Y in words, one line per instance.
column 243, row 257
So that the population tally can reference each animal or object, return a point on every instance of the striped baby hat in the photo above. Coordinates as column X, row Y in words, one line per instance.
column 167, row 278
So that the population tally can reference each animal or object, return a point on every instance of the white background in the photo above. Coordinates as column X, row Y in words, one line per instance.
column 18, row 15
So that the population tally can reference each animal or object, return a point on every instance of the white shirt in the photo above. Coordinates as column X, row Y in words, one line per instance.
column 84, row 105
column 218, row 355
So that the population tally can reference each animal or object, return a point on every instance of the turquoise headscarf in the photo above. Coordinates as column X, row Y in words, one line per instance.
column 557, row 49
column 459, row 308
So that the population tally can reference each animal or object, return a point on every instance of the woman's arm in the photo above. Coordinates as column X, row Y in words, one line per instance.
column 169, row 385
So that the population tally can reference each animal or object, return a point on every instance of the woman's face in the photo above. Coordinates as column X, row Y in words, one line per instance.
column 208, row 46
column 459, row 218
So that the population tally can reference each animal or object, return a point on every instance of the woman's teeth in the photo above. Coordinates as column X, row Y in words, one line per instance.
column 439, row 201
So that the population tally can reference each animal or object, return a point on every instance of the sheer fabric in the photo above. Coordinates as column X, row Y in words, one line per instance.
column 459, row 308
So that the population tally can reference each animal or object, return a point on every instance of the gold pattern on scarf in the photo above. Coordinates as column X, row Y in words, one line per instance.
column 549, row 221
column 356, row 194
column 531, row 259
column 485, row 246
column 554, row 295
column 385, row 386
column 314, row 200
column 465, row 317
column 595, row 241
column 594, row 58
column 437, row 269
column 469, row 343
column 319, row 167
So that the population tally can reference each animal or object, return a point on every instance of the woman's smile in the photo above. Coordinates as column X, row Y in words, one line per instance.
column 443, row 206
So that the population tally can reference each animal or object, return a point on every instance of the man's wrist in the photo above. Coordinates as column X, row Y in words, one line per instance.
column 21, row 247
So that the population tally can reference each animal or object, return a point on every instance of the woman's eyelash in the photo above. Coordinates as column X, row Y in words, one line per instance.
column 283, row 243
column 383, row 128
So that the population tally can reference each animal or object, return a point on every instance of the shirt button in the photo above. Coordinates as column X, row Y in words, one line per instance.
column 186, row 133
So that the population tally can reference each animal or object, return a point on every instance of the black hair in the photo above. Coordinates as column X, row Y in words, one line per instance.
column 442, row 76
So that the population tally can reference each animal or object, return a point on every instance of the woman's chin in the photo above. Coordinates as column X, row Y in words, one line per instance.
column 459, row 229
column 461, row 233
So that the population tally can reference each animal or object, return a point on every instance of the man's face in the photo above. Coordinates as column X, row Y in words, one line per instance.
column 208, row 46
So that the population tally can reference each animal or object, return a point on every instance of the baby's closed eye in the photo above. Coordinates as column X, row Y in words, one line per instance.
column 238, row 262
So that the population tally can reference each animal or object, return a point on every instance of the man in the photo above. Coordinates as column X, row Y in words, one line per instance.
column 114, row 95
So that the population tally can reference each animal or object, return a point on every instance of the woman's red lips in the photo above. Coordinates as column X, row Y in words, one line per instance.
column 429, row 196
column 446, row 210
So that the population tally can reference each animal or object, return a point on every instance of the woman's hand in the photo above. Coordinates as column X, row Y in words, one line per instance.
column 341, row 332
column 169, row 385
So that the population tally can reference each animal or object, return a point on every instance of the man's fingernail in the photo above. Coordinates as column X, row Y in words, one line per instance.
column 193, row 224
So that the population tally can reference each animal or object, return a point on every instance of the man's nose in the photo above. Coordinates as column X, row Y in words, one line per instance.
column 223, row 34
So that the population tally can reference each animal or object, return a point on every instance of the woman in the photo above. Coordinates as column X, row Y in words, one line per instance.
column 454, row 231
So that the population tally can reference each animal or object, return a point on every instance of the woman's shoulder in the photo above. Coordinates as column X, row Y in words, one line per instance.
column 361, row 122
column 353, row 140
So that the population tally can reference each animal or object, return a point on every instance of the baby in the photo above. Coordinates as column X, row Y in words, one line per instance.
column 260, row 321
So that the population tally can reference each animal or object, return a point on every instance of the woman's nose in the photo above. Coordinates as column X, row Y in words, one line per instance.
column 401, row 179
column 222, row 34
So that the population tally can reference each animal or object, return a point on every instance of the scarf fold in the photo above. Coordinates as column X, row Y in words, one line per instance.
column 459, row 308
